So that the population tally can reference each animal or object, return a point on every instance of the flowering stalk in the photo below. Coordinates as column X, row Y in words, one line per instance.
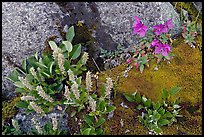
column 36, row 108
column 71, row 75
column 32, row 70
column 15, row 124
column 109, row 86
column 25, row 82
column 42, row 93
column 67, row 93
column 92, row 104
column 85, row 57
column 57, row 54
column 60, row 60
column 27, row 98
column 74, row 89
column 88, row 81
column 39, row 129
column 54, row 123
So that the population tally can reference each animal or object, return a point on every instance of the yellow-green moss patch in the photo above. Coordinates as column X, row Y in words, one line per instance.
column 9, row 109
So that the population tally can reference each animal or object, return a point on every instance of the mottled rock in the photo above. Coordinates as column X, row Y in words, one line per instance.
column 25, row 27
column 198, row 6
column 26, row 123
column 118, row 17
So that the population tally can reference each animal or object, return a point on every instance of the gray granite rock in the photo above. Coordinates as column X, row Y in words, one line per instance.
column 198, row 6
column 25, row 27
column 26, row 124
column 118, row 17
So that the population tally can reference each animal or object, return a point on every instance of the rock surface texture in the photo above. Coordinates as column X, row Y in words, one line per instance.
column 25, row 27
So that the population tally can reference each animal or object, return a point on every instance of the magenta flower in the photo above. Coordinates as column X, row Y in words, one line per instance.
column 128, row 61
column 168, row 24
column 158, row 29
column 164, row 49
column 155, row 42
column 136, row 65
column 139, row 28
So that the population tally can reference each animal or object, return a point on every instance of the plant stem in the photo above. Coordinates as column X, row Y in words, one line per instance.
column 96, row 65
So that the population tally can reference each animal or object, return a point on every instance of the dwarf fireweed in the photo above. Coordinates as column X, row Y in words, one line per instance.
column 152, row 42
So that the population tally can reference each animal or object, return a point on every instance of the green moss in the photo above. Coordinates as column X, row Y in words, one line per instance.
column 185, row 70
column 9, row 109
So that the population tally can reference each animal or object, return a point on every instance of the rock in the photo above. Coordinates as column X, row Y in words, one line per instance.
column 25, row 27
column 26, row 124
column 118, row 17
column 113, row 20
column 198, row 6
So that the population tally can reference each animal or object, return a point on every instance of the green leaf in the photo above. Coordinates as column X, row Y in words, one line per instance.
column 63, row 48
column 157, row 130
column 139, row 107
column 165, row 94
column 59, row 87
column 174, row 90
column 100, row 122
column 53, row 45
column 168, row 114
column 110, row 108
column 19, row 84
column 163, row 122
column 70, row 34
column 32, row 62
column 138, row 98
column 41, row 65
column 129, row 97
column 141, row 68
column 68, row 45
column 73, row 113
column 13, row 76
column 147, row 103
column 86, row 131
column 22, row 104
column 156, row 105
column 102, row 104
column 20, row 90
column 29, row 77
column 76, row 51
column 89, row 120
column 66, row 65
column 144, row 59
column 167, row 57
column 99, row 131
column 161, row 111
column 45, row 74
column 24, row 64
column 36, row 55
column 50, row 66
column 83, row 68
column 157, row 116
column 46, row 60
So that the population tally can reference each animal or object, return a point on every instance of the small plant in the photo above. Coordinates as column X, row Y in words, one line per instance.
column 155, row 115
column 48, row 129
column 13, row 129
column 96, row 107
column 114, row 58
column 42, row 80
column 53, row 80
column 190, row 29
column 152, row 42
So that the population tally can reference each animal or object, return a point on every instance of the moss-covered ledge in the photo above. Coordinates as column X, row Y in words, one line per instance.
column 184, row 70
